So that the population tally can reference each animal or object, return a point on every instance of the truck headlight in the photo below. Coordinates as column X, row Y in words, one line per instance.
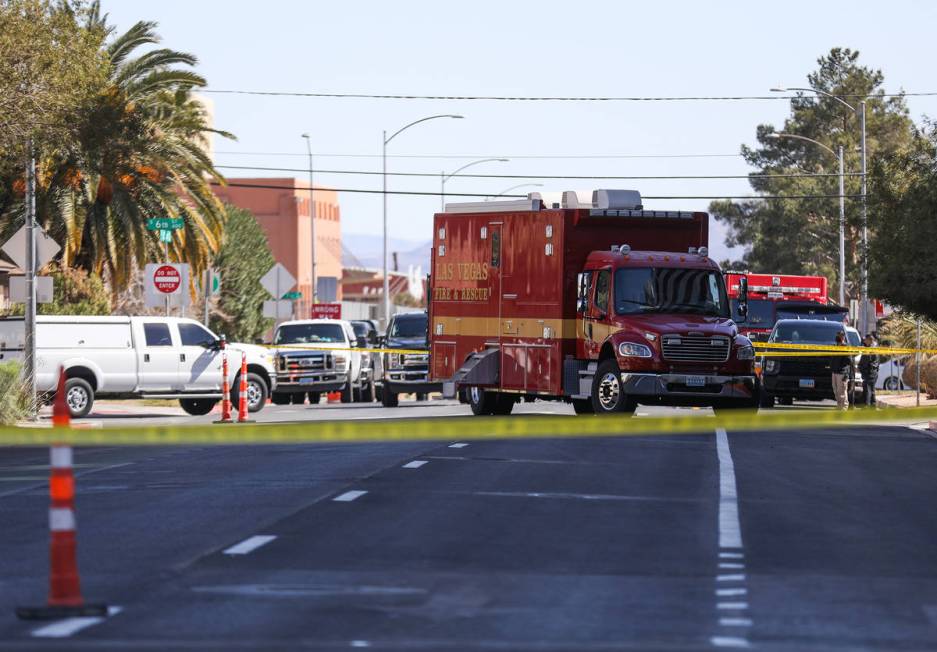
column 394, row 361
column 746, row 353
column 340, row 362
column 634, row 350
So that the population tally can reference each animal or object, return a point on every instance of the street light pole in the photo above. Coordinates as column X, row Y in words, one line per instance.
column 445, row 177
column 312, row 223
column 29, row 323
column 842, row 208
column 864, row 247
column 384, row 141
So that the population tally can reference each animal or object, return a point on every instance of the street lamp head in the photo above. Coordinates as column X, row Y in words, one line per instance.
column 778, row 89
column 305, row 135
column 457, row 117
column 773, row 135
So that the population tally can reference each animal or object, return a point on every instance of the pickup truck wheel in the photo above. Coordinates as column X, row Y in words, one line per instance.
column 892, row 384
column 367, row 393
column 79, row 397
column 481, row 401
column 297, row 398
column 348, row 393
column 786, row 400
column 608, row 396
column 421, row 397
column 583, row 406
column 379, row 393
column 765, row 400
column 314, row 397
column 389, row 399
column 197, row 406
column 280, row 398
column 256, row 392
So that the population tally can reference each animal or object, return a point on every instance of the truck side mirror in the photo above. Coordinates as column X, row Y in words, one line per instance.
column 361, row 342
column 743, row 298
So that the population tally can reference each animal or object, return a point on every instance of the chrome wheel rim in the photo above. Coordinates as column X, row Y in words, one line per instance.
column 254, row 394
column 476, row 395
column 76, row 398
column 609, row 391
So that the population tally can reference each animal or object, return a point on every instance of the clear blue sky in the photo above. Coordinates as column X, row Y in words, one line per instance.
column 522, row 48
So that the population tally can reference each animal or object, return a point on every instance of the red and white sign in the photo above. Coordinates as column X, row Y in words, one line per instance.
column 167, row 279
column 326, row 311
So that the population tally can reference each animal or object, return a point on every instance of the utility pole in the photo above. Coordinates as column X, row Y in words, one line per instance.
column 29, row 368
column 312, row 221
column 864, row 254
column 842, row 232
column 206, row 292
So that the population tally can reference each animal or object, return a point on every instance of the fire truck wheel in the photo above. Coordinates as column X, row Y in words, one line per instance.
column 389, row 399
column 481, row 402
column 297, row 398
column 583, row 406
column 348, row 394
column 503, row 403
column 607, row 394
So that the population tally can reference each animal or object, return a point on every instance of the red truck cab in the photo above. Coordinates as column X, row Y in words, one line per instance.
column 601, row 304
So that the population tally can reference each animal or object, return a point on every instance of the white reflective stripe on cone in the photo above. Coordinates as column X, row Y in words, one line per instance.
column 61, row 519
column 61, row 457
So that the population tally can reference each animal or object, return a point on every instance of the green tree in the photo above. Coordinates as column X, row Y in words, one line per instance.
column 135, row 150
column 800, row 235
column 903, row 264
column 243, row 259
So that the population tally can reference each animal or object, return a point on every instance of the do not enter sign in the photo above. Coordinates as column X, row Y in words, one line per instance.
column 166, row 279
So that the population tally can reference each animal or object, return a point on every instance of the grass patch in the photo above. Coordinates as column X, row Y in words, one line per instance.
column 14, row 398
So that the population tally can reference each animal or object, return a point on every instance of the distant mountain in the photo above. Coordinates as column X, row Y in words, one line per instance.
column 363, row 250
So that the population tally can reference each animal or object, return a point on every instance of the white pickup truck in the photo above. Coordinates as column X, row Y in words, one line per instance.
column 316, row 356
column 137, row 357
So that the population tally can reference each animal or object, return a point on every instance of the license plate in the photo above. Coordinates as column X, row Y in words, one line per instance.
column 807, row 383
column 306, row 381
column 696, row 381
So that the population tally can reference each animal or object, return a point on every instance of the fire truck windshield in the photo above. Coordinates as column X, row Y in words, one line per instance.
column 651, row 289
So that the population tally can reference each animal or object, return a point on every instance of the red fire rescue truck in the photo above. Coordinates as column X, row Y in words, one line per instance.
column 605, row 305
column 781, row 296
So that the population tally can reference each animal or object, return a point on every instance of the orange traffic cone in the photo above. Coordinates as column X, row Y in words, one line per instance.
column 334, row 397
column 61, row 415
column 64, row 587
column 225, row 386
column 242, row 391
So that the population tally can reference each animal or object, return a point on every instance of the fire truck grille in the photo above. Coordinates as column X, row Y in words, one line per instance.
column 695, row 348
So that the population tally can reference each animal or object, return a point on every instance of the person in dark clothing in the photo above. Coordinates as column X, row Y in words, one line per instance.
column 841, row 369
column 868, row 368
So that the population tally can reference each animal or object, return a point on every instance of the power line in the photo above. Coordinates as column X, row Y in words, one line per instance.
column 795, row 175
column 469, row 194
column 522, row 98
column 476, row 156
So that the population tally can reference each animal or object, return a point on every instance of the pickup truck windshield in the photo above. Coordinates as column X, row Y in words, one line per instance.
column 686, row 291
column 310, row 334
column 806, row 332
column 409, row 327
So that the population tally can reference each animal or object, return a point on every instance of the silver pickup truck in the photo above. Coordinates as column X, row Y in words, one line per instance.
column 317, row 356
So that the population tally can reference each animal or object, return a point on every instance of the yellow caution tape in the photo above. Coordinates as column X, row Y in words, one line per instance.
column 461, row 428
column 767, row 347
column 313, row 347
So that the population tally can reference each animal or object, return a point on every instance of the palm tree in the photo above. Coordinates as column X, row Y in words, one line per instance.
column 139, row 153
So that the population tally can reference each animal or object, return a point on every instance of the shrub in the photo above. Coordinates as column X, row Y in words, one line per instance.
column 14, row 398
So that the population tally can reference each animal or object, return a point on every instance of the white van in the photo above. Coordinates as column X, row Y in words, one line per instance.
column 137, row 357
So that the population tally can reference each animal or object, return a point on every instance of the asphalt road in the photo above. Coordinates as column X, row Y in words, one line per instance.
column 796, row 540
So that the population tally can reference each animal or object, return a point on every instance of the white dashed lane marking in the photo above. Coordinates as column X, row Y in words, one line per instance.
column 459, row 445
column 249, row 545
column 730, row 641
column 726, row 566
column 67, row 627
column 725, row 593
column 415, row 464
column 349, row 496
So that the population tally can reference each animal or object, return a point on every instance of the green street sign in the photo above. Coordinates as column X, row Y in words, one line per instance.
column 164, row 224
column 165, row 236
column 293, row 295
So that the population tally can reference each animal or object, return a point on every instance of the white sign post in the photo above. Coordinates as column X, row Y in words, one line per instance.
column 278, row 281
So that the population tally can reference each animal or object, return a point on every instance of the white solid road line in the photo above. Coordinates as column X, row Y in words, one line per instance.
column 415, row 464
column 249, row 545
column 459, row 445
column 69, row 626
column 730, row 532
column 349, row 496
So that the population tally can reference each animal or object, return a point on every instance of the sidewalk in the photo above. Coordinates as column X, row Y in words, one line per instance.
column 907, row 399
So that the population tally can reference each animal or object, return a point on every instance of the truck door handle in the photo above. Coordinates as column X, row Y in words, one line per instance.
column 182, row 357
column 146, row 357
